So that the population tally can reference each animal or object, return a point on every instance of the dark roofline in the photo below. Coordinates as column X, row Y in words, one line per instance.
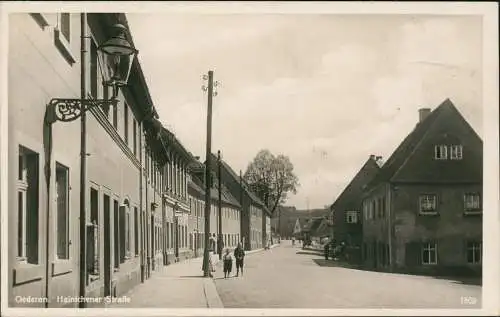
column 349, row 186
column 236, row 177
column 136, row 65
column 405, row 148
column 226, row 197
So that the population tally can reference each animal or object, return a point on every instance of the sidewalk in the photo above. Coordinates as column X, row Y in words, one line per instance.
column 178, row 285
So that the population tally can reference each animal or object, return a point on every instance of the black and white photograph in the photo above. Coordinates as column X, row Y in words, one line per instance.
column 249, row 158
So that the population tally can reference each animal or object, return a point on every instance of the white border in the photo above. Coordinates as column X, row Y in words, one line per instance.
column 491, row 217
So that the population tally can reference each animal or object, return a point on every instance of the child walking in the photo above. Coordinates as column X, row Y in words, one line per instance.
column 228, row 263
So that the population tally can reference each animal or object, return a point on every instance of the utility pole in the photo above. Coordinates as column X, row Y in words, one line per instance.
column 241, row 203
column 211, row 93
column 219, row 249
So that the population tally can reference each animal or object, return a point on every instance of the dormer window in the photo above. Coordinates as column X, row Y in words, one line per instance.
column 455, row 152
column 440, row 152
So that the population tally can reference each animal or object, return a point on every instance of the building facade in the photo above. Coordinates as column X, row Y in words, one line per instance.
column 423, row 210
column 44, row 59
column 253, row 210
column 346, row 210
column 230, row 211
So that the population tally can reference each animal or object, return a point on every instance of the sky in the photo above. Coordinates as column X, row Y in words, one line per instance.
column 326, row 90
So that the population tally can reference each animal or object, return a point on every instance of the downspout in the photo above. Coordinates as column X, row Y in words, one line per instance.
column 83, row 156
column 47, row 141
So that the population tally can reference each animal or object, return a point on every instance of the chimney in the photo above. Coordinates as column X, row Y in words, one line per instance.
column 423, row 113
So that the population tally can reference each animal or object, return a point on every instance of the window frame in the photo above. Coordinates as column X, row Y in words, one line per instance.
column 473, row 248
column 429, row 246
column 473, row 210
column 456, row 152
column 350, row 215
column 94, row 277
column 68, row 213
column 433, row 211
column 28, row 188
column 63, row 41
column 443, row 151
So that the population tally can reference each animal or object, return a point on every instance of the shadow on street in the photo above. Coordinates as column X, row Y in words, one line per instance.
column 455, row 279
column 309, row 252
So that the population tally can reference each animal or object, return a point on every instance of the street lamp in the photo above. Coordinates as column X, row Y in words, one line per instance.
column 115, row 56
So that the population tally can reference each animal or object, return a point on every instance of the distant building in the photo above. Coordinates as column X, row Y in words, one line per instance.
column 255, row 217
column 231, row 213
column 423, row 210
column 346, row 210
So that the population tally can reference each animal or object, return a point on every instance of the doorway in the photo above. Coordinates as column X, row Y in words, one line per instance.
column 107, row 245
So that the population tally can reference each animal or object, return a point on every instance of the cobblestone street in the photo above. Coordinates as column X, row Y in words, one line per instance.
column 289, row 277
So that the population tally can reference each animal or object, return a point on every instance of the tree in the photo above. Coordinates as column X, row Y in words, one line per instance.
column 271, row 178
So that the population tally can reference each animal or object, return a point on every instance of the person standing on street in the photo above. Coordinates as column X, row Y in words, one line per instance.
column 239, row 254
column 228, row 263
column 327, row 248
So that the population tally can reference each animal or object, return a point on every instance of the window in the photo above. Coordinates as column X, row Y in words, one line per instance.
column 167, row 235
column 429, row 253
column 136, row 231
column 472, row 202
column 62, row 218
column 93, row 237
column 440, row 152
column 474, row 252
column 125, row 122
column 428, row 203
column 455, row 152
column 127, row 232
column 27, row 209
column 124, row 231
column 65, row 21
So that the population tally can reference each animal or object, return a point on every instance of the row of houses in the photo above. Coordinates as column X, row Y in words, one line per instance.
column 421, row 210
column 144, row 192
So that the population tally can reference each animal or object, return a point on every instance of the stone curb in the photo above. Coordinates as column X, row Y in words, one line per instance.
column 211, row 295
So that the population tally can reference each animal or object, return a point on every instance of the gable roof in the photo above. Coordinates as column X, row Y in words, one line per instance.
column 353, row 190
column 313, row 224
column 245, row 186
column 405, row 148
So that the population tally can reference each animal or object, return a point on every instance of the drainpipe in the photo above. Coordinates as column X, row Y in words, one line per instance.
column 83, row 163
column 47, row 135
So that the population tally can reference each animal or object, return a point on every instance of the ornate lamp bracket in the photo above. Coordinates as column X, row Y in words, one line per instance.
column 66, row 110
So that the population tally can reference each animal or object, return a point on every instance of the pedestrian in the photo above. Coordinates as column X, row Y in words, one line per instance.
column 239, row 254
column 327, row 246
column 228, row 263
